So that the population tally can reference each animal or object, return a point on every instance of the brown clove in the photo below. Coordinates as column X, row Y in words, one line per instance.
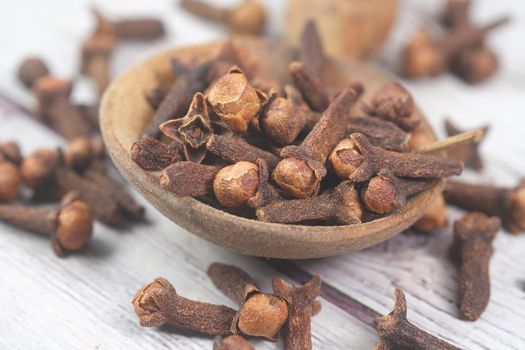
column 340, row 206
column 466, row 153
column 248, row 17
column 10, row 180
column 475, row 64
column 153, row 155
column 95, row 62
column 143, row 29
column 380, row 132
column 386, row 192
column 158, row 304
column 10, row 151
column 231, row 342
column 188, row 81
column 235, row 184
column 56, row 110
column 375, row 159
column 30, row 70
column 302, row 169
column 472, row 249
column 311, row 50
column 310, row 87
column 396, row 332
column 188, row 178
column 298, row 335
column 266, row 193
column 456, row 13
column 435, row 217
column 506, row 203
column 70, row 225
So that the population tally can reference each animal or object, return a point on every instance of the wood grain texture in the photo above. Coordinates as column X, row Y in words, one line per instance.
column 83, row 301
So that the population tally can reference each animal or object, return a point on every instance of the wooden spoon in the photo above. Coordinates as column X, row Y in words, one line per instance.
column 125, row 114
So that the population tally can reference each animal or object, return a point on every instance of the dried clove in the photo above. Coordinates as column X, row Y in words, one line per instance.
column 70, row 225
column 248, row 17
column 153, row 155
column 298, row 335
column 265, row 193
column 302, row 169
column 10, row 180
column 392, row 102
column 475, row 64
column 235, row 184
column 155, row 96
column 375, row 159
column 95, row 62
column 472, row 249
column 260, row 314
column 188, row 81
column 90, row 113
column 456, row 13
column 30, row 70
column 158, row 304
column 386, row 192
column 466, row 153
column 396, row 332
column 235, row 149
column 57, row 111
column 311, row 50
column 434, row 218
column 45, row 173
column 425, row 56
column 231, row 342
column 143, row 29
column 380, row 132
column 340, row 206
column 310, row 86
column 188, row 178
column 235, row 101
column 193, row 130
column 10, row 151
column 506, row 203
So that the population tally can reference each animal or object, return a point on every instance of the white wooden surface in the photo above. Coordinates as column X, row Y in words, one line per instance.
column 83, row 301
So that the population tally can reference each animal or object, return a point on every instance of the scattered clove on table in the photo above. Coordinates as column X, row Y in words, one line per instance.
column 95, row 62
column 30, row 70
column 396, row 332
column 472, row 249
column 70, row 225
column 10, row 175
column 232, row 342
column 141, row 29
column 466, row 153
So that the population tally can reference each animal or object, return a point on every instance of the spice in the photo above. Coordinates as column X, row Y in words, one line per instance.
column 30, row 70
column 466, row 153
column 475, row 64
column 56, row 110
column 96, row 54
column 155, row 96
column 153, row 155
column 70, row 225
column 298, row 335
column 158, row 304
column 396, row 332
column 235, row 101
column 188, row 178
column 90, row 113
column 266, row 193
column 506, row 203
column 10, row 180
column 188, row 81
column 434, row 218
column 425, row 56
column 413, row 165
column 386, row 192
column 456, row 13
column 143, row 29
column 235, row 184
column 310, row 86
column 231, row 342
column 10, row 151
column 311, row 50
column 235, row 149
column 260, row 314
column 394, row 103
column 339, row 206
column 248, row 17
column 380, row 132
column 472, row 249
column 302, row 170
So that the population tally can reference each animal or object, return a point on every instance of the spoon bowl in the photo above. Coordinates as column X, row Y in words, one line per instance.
column 124, row 115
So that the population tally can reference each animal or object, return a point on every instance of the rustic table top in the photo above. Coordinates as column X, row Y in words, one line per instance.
column 83, row 301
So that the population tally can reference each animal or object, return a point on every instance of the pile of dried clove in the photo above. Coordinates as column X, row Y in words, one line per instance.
column 460, row 49
column 301, row 155
column 259, row 314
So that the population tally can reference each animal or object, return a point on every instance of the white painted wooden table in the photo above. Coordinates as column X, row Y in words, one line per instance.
column 83, row 301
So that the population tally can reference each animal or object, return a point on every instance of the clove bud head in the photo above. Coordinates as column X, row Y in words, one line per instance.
column 346, row 158
column 282, row 121
column 149, row 302
column 78, row 153
column 296, row 177
column 394, row 101
column 37, row 168
column 517, row 212
column 235, row 100
column 248, row 18
column 420, row 57
column 10, row 180
column 475, row 64
column 74, row 225
column 234, row 185
column 380, row 195
column 32, row 69
column 262, row 315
